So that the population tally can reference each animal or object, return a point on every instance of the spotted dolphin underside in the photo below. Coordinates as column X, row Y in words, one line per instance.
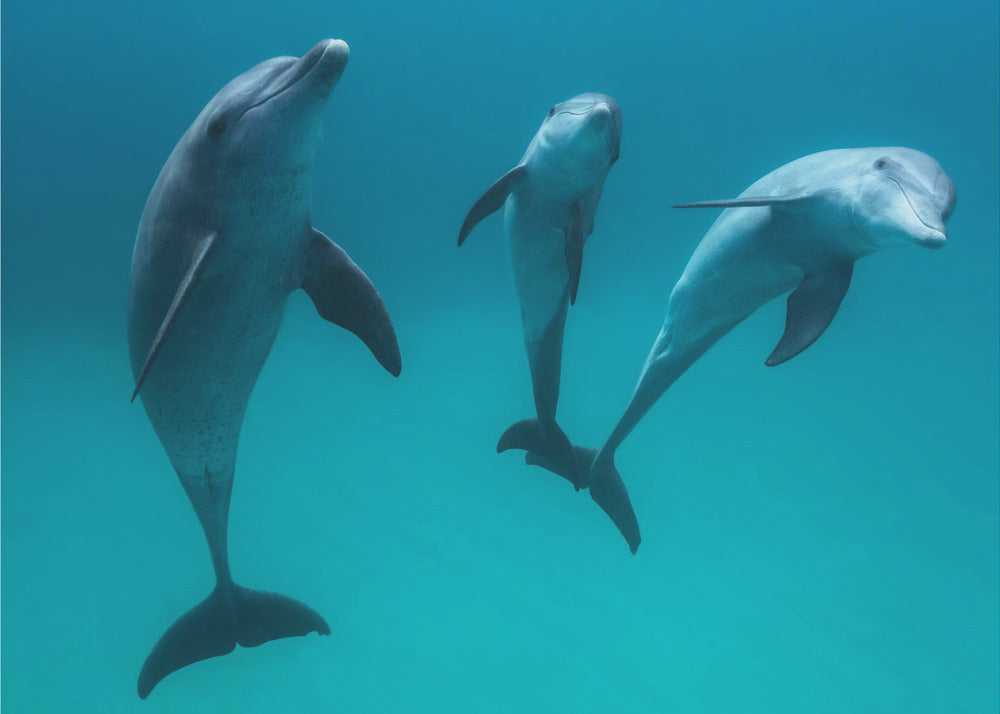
column 224, row 239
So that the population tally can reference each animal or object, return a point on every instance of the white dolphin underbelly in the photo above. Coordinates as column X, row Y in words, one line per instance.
column 538, row 264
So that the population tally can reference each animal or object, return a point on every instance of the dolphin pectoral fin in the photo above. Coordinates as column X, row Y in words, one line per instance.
column 745, row 202
column 492, row 200
column 345, row 296
column 184, row 289
column 811, row 308
column 574, row 249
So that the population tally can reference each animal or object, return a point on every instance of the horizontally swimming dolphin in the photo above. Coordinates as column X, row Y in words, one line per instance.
column 224, row 239
column 799, row 228
column 551, row 199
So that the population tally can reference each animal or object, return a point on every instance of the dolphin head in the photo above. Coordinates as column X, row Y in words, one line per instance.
column 901, row 196
column 587, row 130
column 270, row 117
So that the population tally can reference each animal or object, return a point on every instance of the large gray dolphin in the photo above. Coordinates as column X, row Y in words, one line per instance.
column 799, row 228
column 551, row 199
column 224, row 239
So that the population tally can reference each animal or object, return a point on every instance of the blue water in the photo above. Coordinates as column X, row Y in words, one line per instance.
column 818, row 537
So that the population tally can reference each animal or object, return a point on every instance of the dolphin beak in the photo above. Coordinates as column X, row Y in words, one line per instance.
column 607, row 117
column 600, row 116
column 933, row 239
column 931, row 232
column 934, row 235
column 327, row 59
column 944, row 191
column 325, row 62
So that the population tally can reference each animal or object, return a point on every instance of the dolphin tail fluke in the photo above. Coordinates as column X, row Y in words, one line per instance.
column 582, row 458
column 548, row 443
column 606, row 488
column 608, row 491
column 227, row 617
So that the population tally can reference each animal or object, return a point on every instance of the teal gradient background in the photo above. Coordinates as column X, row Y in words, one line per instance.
column 818, row 537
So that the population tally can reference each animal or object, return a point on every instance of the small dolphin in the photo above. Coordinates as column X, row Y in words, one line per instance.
column 224, row 239
column 799, row 228
column 551, row 199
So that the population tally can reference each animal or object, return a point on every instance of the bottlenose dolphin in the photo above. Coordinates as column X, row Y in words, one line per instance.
column 551, row 199
column 799, row 228
column 224, row 239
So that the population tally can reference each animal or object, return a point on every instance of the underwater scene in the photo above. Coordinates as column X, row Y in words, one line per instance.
column 719, row 282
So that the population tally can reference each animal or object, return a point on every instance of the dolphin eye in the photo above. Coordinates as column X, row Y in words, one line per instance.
column 552, row 112
column 216, row 128
column 879, row 164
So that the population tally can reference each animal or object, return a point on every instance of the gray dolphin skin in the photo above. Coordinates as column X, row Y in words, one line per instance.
column 225, row 237
column 799, row 228
column 550, row 201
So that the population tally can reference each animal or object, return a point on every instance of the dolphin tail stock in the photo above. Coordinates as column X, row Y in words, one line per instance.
column 231, row 615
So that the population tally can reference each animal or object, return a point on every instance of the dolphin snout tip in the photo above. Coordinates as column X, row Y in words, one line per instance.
column 332, row 54
column 944, row 188
column 601, row 114
column 335, row 46
column 934, row 238
column 606, row 100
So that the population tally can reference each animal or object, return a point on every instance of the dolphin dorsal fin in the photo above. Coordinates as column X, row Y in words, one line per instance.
column 811, row 308
column 201, row 249
column 574, row 249
column 344, row 295
column 745, row 202
column 492, row 200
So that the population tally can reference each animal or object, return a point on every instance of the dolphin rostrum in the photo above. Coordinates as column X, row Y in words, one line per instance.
column 224, row 239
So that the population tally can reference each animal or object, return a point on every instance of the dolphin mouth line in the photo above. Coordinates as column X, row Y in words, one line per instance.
column 916, row 212
column 585, row 110
column 609, row 135
column 297, row 76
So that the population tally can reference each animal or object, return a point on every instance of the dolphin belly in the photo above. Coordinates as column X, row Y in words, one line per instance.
column 538, row 263
column 542, row 280
column 197, row 392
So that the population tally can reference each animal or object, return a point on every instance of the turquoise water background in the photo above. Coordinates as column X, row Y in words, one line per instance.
column 817, row 537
